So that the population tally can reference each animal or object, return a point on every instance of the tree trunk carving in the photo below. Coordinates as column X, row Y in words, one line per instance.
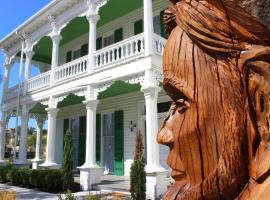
column 216, row 68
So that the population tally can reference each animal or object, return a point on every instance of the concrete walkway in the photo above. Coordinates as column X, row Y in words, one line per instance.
column 25, row 194
column 32, row 194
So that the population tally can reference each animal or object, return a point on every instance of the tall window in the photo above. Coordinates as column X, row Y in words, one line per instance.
column 108, row 40
column 156, row 22
column 76, row 54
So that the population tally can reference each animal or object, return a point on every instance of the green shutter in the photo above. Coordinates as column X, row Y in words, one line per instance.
column 162, row 28
column 69, row 56
column 84, row 49
column 119, row 143
column 66, row 127
column 118, row 35
column 82, row 140
column 99, row 43
column 138, row 27
column 98, row 137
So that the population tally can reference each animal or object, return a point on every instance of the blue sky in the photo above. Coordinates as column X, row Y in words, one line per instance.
column 12, row 14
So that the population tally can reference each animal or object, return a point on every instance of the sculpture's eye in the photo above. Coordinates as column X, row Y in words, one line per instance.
column 182, row 105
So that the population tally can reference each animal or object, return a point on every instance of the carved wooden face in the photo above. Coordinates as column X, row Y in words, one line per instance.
column 205, row 110
column 218, row 127
column 195, row 93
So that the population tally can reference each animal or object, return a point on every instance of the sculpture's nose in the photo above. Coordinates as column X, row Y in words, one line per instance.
column 165, row 136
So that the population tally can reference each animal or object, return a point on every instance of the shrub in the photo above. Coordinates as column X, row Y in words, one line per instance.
column 50, row 180
column 24, row 174
column 54, row 179
column 34, row 178
column 14, row 176
column 137, row 171
column 4, row 172
column 68, row 180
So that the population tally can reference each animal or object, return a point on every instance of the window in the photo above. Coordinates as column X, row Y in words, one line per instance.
column 76, row 54
column 164, row 107
column 118, row 35
column 108, row 40
column 157, row 24
column 69, row 56
column 84, row 49
column 138, row 27
column 99, row 43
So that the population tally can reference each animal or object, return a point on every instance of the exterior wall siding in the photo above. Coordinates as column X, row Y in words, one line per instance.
column 126, row 21
column 129, row 103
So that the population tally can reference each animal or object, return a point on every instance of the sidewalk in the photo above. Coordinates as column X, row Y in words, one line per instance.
column 29, row 194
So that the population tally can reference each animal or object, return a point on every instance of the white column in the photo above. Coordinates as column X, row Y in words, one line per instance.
column 148, row 26
column 90, row 154
column 38, row 157
column 90, row 172
column 50, row 161
column 27, row 70
column 3, row 125
column 150, row 95
column 56, row 38
column 92, row 19
column 156, row 181
column 23, row 137
column 6, row 76
column 29, row 55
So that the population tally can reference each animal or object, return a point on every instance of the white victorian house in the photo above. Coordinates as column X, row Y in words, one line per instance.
column 100, row 64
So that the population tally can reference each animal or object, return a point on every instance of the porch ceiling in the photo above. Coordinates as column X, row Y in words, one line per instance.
column 118, row 88
column 38, row 109
column 79, row 26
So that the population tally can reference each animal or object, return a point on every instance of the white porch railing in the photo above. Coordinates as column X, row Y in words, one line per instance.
column 72, row 69
column 121, row 51
column 11, row 93
column 159, row 44
column 39, row 81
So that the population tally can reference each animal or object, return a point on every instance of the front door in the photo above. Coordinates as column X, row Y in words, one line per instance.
column 74, row 124
column 108, row 138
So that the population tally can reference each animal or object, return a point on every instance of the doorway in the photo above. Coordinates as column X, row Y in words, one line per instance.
column 108, row 143
column 74, row 124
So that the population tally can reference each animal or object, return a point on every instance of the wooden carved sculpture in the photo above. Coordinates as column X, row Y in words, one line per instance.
column 217, row 71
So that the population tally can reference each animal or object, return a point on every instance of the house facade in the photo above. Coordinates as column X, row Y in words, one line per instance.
column 100, row 64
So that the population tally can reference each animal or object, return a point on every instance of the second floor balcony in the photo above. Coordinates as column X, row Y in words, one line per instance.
column 126, row 51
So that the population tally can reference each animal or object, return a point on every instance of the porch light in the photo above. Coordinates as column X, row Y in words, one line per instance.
column 132, row 126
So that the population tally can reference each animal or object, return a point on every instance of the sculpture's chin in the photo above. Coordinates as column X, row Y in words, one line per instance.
column 174, row 190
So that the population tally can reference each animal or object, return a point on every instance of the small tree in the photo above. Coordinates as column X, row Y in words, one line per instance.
column 137, row 171
column 68, row 162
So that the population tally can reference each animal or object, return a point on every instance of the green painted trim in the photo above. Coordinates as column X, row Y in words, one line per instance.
column 65, row 128
column 98, row 138
column 138, row 27
column 80, row 26
column 43, row 50
column 82, row 140
column 119, row 143
column 71, row 99
column 39, row 109
column 118, row 88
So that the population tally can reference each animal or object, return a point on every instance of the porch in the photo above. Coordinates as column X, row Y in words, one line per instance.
column 121, row 53
column 110, row 183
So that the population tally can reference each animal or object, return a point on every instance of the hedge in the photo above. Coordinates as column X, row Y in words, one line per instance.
column 49, row 179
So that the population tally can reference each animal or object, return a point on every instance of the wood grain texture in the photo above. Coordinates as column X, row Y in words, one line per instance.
column 216, row 68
